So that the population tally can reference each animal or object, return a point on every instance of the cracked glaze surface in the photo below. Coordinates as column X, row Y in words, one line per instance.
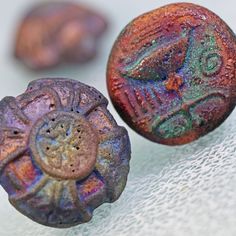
column 171, row 73
column 61, row 152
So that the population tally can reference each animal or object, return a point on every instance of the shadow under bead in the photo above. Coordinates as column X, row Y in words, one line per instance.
column 62, row 153
column 57, row 32
column 171, row 73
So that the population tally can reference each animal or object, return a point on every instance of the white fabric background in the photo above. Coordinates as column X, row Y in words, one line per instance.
column 180, row 191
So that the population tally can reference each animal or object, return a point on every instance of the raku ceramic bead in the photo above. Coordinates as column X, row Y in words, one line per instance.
column 171, row 73
column 61, row 152
column 57, row 32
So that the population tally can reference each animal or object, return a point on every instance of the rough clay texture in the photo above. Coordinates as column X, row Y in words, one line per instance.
column 182, row 191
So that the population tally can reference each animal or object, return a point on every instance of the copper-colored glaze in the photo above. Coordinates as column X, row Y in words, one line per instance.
column 57, row 32
column 171, row 73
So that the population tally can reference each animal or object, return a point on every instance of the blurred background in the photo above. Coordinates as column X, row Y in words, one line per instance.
column 171, row 191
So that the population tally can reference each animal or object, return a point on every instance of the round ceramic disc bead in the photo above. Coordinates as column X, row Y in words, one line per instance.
column 62, row 153
column 171, row 73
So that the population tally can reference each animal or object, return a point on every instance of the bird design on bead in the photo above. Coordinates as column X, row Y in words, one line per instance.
column 166, row 74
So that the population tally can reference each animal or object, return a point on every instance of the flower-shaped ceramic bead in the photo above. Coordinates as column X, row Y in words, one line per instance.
column 57, row 32
column 61, row 152
column 171, row 73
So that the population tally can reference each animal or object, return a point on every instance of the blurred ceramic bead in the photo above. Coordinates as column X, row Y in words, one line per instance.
column 57, row 32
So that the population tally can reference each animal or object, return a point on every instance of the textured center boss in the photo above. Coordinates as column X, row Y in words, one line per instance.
column 61, row 152
column 171, row 73
column 64, row 145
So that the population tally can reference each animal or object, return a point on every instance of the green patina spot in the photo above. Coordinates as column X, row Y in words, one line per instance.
column 212, row 62
column 203, row 63
column 204, row 58
column 173, row 127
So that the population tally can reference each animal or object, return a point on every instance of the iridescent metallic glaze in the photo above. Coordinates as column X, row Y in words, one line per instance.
column 56, row 32
column 171, row 73
column 61, row 152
